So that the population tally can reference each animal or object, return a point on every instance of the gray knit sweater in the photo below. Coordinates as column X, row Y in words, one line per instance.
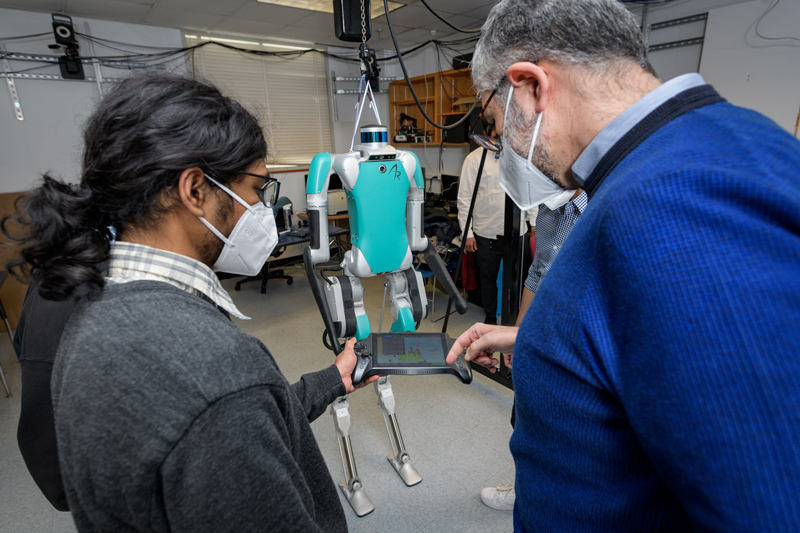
column 169, row 418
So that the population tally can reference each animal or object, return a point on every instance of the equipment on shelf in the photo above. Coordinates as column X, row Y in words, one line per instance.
column 408, row 132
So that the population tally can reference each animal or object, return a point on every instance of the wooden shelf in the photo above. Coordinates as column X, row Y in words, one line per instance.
column 412, row 102
column 437, row 93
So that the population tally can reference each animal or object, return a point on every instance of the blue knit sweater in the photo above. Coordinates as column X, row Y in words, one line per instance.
column 657, row 374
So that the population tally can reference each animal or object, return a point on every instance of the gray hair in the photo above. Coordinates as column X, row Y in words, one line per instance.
column 592, row 34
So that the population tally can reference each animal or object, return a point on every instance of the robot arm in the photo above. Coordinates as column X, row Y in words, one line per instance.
column 319, row 175
column 416, row 235
column 416, row 199
column 340, row 300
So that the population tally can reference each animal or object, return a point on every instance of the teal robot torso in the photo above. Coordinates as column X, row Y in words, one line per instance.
column 377, row 210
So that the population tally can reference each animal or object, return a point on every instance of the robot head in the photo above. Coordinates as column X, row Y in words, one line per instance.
column 374, row 136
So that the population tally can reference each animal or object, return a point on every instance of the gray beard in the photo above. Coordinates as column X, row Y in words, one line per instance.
column 520, row 137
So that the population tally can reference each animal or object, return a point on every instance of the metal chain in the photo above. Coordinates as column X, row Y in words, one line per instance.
column 363, row 24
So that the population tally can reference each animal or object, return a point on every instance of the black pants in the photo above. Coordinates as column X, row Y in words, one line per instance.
column 489, row 265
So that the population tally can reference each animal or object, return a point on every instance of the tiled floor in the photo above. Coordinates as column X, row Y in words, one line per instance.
column 457, row 435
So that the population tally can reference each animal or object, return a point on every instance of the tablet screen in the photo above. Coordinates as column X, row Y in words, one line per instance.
column 412, row 350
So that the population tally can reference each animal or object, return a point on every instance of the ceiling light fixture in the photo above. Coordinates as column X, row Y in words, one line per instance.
column 223, row 40
column 251, row 43
column 326, row 6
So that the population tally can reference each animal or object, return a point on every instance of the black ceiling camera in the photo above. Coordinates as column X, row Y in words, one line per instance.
column 70, row 63
column 347, row 20
column 62, row 27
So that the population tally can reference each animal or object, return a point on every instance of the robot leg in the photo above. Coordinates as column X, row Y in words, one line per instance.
column 409, row 304
column 351, row 484
column 345, row 296
column 399, row 457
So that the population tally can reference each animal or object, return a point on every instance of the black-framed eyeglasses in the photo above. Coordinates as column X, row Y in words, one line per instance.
column 487, row 141
column 269, row 192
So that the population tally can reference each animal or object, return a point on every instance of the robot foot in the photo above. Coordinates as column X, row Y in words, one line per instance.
column 358, row 499
column 405, row 469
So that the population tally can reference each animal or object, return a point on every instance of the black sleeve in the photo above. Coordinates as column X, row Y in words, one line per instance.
column 19, row 334
column 317, row 390
column 36, row 434
column 36, row 341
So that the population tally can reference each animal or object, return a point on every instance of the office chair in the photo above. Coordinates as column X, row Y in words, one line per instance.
column 266, row 274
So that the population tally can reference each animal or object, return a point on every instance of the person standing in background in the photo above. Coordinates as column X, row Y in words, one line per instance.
column 487, row 227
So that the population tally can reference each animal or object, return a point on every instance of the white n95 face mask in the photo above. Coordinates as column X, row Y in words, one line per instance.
column 250, row 243
column 525, row 184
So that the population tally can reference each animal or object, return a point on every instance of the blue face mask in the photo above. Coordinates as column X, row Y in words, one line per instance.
column 525, row 184
column 251, row 241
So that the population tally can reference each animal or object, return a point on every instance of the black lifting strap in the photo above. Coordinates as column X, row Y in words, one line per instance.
column 413, row 293
column 349, row 311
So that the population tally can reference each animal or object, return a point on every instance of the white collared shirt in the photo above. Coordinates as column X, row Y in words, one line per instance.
column 133, row 262
column 488, row 215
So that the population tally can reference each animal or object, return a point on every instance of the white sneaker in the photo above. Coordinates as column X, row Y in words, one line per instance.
column 500, row 498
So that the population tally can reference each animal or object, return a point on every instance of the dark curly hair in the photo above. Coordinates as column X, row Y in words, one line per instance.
column 136, row 144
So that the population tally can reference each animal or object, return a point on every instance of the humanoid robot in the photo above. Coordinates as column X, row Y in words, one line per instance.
column 385, row 195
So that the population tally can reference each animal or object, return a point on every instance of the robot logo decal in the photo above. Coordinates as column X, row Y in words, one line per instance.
column 395, row 172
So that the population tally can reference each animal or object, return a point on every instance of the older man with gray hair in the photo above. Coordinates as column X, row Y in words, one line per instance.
column 656, row 372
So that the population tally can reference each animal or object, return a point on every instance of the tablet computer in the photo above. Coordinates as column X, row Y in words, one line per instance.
column 407, row 354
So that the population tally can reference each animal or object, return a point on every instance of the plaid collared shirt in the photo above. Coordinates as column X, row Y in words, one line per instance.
column 132, row 262
column 552, row 228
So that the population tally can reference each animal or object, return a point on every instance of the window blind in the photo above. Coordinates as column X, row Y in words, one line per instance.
column 288, row 95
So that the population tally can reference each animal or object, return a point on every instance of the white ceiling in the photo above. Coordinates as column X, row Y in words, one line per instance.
column 412, row 23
